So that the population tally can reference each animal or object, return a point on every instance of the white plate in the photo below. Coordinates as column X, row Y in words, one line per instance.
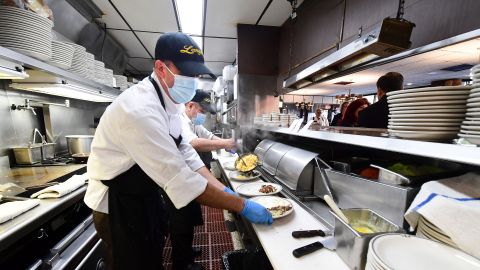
column 252, row 189
column 471, row 123
column 24, row 15
column 59, row 64
column 475, row 139
column 432, row 98
column 474, row 114
column 401, row 251
column 423, row 135
column 427, row 115
column 473, row 100
column 430, row 226
column 429, row 89
column 430, row 234
column 25, row 48
column 273, row 201
column 473, row 104
column 428, row 120
column 424, row 124
column 474, row 95
column 37, row 55
column 424, row 128
column 434, row 107
column 430, row 93
column 473, row 109
column 477, row 128
column 475, row 90
column 429, row 103
column 415, row 111
column 230, row 165
column 237, row 176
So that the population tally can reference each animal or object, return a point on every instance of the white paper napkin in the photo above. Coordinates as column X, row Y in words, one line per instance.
column 9, row 210
column 61, row 189
column 453, row 205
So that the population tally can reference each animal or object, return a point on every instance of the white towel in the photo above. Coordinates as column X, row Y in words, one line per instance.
column 9, row 210
column 453, row 205
column 61, row 189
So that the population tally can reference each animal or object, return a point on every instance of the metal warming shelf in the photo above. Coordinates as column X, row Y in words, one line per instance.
column 273, row 157
column 296, row 170
column 262, row 149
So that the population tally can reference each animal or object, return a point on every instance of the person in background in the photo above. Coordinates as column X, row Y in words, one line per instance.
column 181, row 222
column 319, row 118
column 138, row 154
column 350, row 117
column 376, row 116
column 338, row 116
column 202, row 140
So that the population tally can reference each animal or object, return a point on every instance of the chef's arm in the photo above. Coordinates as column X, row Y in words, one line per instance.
column 214, row 197
column 207, row 145
column 203, row 171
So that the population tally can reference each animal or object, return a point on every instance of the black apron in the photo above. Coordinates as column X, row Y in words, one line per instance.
column 137, row 217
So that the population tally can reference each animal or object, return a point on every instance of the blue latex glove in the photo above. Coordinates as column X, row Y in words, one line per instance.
column 232, row 151
column 229, row 191
column 256, row 213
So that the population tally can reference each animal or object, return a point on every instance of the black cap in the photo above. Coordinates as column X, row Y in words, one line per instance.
column 182, row 50
column 203, row 99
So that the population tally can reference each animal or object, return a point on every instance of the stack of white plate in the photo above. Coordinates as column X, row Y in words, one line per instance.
column 426, row 229
column 79, row 63
column 275, row 116
column 257, row 120
column 431, row 113
column 266, row 117
column 403, row 251
column 90, row 66
column 120, row 82
column 26, row 32
column 108, row 79
column 284, row 120
column 99, row 71
column 470, row 129
column 62, row 54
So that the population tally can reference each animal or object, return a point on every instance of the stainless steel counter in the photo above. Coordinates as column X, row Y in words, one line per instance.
column 378, row 139
column 27, row 222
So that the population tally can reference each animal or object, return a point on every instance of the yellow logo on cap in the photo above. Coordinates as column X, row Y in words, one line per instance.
column 189, row 49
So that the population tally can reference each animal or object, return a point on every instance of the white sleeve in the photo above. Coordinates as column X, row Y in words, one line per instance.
column 191, row 156
column 203, row 132
column 146, row 138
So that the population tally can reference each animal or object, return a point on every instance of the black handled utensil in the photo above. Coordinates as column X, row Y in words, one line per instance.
column 309, row 233
column 328, row 243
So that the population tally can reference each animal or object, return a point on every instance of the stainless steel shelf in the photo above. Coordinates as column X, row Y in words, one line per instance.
column 33, row 63
column 378, row 139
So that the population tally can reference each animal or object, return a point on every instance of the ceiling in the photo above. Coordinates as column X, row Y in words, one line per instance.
column 418, row 70
column 150, row 18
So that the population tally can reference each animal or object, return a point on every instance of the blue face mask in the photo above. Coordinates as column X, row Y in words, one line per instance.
column 183, row 89
column 199, row 119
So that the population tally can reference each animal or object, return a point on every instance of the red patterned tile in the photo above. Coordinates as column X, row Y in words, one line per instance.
column 222, row 238
column 201, row 239
column 216, row 227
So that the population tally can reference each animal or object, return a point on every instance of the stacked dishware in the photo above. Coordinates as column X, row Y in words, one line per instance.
column 62, row 54
column 470, row 129
column 284, row 120
column 430, row 113
column 257, row 120
column 79, row 62
column 266, row 117
column 403, row 251
column 108, row 79
column 428, row 230
column 90, row 66
column 26, row 32
column 275, row 116
column 99, row 71
column 121, row 82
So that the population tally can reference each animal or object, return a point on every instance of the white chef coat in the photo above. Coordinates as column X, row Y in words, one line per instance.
column 191, row 131
column 323, row 121
column 135, row 130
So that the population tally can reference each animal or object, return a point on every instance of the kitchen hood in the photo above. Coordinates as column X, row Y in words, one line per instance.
column 392, row 37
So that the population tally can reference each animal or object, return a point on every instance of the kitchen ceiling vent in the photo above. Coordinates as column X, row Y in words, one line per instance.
column 392, row 37
column 457, row 68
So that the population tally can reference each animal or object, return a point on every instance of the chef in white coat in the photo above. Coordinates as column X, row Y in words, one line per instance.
column 138, row 153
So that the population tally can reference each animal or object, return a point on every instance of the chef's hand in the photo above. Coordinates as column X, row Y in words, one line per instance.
column 229, row 191
column 256, row 213
column 229, row 145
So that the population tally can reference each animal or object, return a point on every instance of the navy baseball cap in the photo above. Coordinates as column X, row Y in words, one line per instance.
column 182, row 50
column 204, row 100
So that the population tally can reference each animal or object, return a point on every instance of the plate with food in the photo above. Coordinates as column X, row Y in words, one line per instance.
column 230, row 165
column 245, row 176
column 246, row 163
column 259, row 189
column 278, row 207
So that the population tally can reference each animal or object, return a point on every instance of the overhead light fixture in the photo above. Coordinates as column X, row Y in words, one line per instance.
column 9, row 70
column 190, row 15
column 67, row 90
